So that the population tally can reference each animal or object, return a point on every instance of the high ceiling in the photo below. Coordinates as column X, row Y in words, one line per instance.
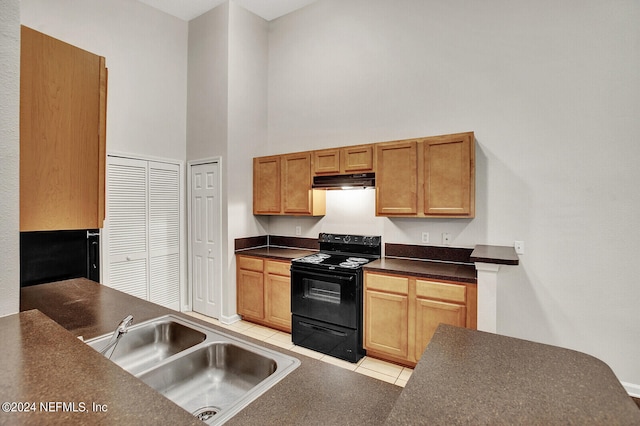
column 189, row 9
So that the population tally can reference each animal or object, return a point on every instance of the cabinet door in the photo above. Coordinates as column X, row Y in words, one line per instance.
column 62, row 122
column 266, row 185
column 429, row 314
column 250, row 294
column 396, row 179
column 278, row 301
column 386, row 319
column 357, row 158
column 296, row 183
column 449, row 175
column 326, row 161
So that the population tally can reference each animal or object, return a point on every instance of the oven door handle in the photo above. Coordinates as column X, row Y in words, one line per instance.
column 322, row 329
column 319, row 274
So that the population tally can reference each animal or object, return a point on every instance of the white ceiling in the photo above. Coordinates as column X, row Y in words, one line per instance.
column 189, row 9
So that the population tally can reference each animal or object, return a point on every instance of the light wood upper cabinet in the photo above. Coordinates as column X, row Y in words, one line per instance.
column 350, row 159
column 397, row 178
column 282, row 186
column 266, row 185
column 449, row 175
column 62, row 135
column 326, row 162
column 296, row 183
column 425, row 177
column 428, row 177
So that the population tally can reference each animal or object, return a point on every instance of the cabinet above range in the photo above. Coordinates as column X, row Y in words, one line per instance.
column 426, row 177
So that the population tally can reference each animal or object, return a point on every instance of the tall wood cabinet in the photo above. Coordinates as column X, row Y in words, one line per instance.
column 401, row 313
column 264, row 291
column 63, row 92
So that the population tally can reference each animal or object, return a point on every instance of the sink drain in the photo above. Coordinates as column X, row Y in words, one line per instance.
column 206, row 413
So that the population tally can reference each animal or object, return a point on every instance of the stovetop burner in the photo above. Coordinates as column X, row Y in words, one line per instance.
column 343, row 251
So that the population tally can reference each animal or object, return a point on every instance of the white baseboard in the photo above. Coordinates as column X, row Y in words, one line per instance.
column 230, row 319
column 632, row 389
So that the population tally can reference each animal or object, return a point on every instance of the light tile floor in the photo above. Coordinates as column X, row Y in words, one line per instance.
column 368, row 366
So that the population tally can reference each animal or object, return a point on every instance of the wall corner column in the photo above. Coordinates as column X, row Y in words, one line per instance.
column 487, row 276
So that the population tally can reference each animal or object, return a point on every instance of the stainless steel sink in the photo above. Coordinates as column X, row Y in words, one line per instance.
column 147, row 344
column 209, row 373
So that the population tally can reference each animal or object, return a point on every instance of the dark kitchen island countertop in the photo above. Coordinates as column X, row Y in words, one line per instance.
column 464, row 377
column 315, row 393
column 472, row 377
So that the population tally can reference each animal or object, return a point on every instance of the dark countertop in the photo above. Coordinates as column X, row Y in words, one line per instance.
column 314, row 393
column 464, row 376
column 42, row 363
column 472, row 377
column 426, row 269
column 501, row 255
column 278, row 253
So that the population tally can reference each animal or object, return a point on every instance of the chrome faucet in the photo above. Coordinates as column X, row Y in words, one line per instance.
column 121, row 329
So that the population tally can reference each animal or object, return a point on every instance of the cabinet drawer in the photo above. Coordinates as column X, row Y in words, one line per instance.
column 250, row 263
column 278, row 268
column 387, row 283
column 442, row 291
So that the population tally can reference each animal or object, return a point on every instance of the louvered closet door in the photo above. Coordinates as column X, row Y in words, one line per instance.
column 164, row 234
column 127, row 259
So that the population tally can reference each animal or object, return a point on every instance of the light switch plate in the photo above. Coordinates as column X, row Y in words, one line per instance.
column 425, row 237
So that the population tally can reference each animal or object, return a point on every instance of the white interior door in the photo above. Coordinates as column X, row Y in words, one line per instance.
column 205, row 238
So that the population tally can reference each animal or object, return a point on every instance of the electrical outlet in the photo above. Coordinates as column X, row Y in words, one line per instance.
column 298, row 230
column 519, row 246
column 425, row 237
column 446, row 238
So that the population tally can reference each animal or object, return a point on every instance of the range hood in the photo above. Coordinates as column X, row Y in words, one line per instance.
column 357, row 180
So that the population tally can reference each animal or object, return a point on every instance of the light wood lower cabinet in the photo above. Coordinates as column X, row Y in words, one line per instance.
column 401, row 313
column 264, row 291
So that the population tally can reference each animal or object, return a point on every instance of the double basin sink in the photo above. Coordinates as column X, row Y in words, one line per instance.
column 206, row 372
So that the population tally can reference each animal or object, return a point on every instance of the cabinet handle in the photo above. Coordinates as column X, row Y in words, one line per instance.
column 322, row 329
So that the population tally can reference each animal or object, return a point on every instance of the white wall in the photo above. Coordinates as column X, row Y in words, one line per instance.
column 248, row 62
column 227, row 116
column 10, row 156
column 146, row 54
column 552, row 91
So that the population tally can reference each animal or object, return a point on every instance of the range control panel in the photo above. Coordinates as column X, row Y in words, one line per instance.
column 364, row 240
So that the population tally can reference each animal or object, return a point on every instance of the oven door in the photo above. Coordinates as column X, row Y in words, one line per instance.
column 324, row 295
